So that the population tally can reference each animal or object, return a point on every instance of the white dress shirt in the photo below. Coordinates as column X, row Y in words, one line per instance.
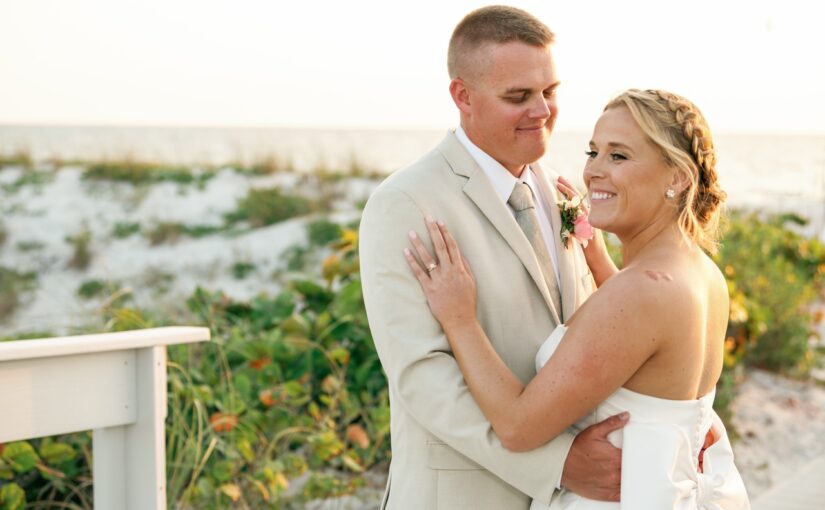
column 504, row 183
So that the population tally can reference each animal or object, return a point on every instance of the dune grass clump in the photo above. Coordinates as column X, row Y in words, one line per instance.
column 266, row 206
column 241, row 270
column 170, row 232
column 124, row 229
column 20, row 157
column 13, row 285
column 30, row 246
column 138, row 173
column 81, row 249
column 269, row 165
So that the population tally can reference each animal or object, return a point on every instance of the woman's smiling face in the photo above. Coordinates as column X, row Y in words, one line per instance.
column 626, row 176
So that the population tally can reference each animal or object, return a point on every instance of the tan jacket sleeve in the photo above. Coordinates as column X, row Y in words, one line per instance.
column 417, row 358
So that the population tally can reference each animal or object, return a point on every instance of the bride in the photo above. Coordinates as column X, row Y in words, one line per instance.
column 649, row 342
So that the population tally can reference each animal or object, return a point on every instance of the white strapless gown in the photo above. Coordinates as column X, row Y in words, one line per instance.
column 660, row 451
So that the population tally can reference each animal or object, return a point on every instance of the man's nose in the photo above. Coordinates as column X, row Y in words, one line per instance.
column 541, row 109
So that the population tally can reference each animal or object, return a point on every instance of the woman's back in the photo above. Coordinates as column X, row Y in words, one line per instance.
column 691, row 324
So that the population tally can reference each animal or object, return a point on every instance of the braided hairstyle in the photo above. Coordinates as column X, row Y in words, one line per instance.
column 679, row 129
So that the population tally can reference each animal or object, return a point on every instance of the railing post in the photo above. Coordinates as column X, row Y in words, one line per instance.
column 130, row 460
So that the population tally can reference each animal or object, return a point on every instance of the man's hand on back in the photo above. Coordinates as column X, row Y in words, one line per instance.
column 593, row 468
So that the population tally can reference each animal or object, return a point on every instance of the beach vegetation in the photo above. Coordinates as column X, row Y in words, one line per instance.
column 30, row 245
column 13, row 286
column 124, row 229
column 240, row 270
column 20, row 157
column 268, row 165
column 81, row 249
column 265, row 206
column 141, row 173
column 170, row 232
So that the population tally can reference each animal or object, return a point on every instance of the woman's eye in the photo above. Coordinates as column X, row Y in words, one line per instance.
column 617, row 157
column 591, row 154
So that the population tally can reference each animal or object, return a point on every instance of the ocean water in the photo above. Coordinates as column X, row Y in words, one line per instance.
column 768, row 172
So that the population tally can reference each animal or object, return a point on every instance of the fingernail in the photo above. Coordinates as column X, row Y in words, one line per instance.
column 407, row 251
column 413, row 234
column 440, row 223
column 625, row 415
column 429, row 218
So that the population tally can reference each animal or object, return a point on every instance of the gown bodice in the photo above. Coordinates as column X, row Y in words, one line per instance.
column 660, row 452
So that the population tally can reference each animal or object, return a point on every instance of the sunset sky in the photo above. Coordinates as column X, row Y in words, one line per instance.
column 752, row 66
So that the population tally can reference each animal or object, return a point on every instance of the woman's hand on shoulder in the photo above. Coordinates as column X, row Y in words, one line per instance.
column 445, row 277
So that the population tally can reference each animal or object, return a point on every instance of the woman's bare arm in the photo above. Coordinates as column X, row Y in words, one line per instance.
column 608, row 340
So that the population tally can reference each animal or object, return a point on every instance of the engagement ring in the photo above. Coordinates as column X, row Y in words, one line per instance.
column 431, row 267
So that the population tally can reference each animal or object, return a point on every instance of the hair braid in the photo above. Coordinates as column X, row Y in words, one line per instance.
column 679, row 129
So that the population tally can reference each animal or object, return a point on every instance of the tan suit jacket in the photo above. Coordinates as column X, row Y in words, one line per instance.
column 445, row 455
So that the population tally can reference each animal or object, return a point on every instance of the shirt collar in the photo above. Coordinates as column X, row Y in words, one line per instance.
column 501, row 179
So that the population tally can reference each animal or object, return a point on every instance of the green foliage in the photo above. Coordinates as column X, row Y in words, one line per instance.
column 124, row 229
column 26, row 246
column 265, row 206
column 322, row 232
column 20, row 157
column 3, row 234
column 164, row 232
column 171, row 232
column 137, row 172
column 13, row 285
column 95, row 287
column 81, row 249
column 12, row 497
column 775, row 275
column 241, row 270
column 269, row 165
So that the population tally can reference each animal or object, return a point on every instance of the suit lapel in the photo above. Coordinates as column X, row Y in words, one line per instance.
column 479, row 189
column 564, row 256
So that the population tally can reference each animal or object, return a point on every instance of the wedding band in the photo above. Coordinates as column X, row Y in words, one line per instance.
column 431, row 267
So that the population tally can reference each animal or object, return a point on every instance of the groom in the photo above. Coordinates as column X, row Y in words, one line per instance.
column 445, row 453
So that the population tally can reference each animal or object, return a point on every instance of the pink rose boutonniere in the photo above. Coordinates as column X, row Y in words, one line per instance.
column 574, row 224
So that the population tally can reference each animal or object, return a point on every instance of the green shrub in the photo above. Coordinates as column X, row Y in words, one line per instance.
column 165, row 233
column 265, row 206
column 21, row 157
column 91, row 288
column 322, row 232
column 81, row 249
column 3, row 234
column 136, row 172
column 124, row 229
column 13, row 285
column 26, row 246
column 241, row 270
column 775, row 275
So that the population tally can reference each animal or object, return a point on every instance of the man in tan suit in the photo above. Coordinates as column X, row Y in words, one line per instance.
column 445, row 453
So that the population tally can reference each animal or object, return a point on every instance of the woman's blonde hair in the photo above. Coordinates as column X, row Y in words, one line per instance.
column 679, row 129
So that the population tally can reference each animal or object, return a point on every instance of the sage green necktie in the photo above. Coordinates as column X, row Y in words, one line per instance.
column 521, row 200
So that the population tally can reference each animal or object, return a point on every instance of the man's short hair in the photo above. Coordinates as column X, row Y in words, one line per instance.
column 493, row 24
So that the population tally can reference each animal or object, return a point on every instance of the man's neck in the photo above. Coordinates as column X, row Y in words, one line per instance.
column 514, row 171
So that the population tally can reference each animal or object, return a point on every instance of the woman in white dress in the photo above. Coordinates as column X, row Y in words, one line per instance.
column 649, row 341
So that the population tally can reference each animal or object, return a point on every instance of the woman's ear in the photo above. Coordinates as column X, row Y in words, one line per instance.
column 680, row 181
column 460, row 94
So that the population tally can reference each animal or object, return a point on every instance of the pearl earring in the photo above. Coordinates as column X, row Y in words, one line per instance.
column 670, row 193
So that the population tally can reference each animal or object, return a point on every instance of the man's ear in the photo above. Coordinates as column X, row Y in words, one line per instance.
column 460, row 94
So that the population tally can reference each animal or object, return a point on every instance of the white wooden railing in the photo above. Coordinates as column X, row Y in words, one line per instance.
column 113, row 384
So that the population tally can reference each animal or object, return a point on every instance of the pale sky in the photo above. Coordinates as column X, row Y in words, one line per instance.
column 751, row 66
